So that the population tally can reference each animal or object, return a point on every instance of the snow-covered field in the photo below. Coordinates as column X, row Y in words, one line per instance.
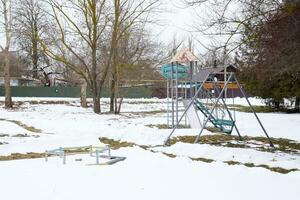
column 147, row 173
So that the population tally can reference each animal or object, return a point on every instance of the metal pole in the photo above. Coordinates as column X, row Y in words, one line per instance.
column 229, row 113
column 238, row 132
column 191, row 79
column 97, row 157
column 91, row 150
column 172, row 93
column 61, row 152
column 109, row 153
column 176, row 92
column 168, row 106
column 46, row 156
column 64, row 157
column 261, row 125
column 185, row 96
column 185, row 111
column 211, row 112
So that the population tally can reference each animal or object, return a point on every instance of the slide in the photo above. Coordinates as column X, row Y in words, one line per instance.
column 192, row 115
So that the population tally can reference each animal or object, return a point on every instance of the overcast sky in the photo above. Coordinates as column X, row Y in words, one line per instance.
column 175, row 19
column 180, row 20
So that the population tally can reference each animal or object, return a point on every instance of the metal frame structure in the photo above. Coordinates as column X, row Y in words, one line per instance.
column 173, row 95
column 229, row 79
column 93, row 151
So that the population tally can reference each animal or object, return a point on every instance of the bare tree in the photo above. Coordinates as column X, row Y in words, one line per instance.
column 30, row 24
column 7, row 23
column 227, row 20
column 81, row 24
column 127, row 14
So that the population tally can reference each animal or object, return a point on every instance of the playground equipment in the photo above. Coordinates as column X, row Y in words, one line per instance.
column 197, row 88
column 98, row 152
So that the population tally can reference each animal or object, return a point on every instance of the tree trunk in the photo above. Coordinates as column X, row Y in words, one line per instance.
column 297, row 103
column 96, row 97
column 276, row 104
column 34, row 58
column 120, row 104
column 117, row 111
column 96, row 103
column 83, row 100
column 8, row 100
column 112, row 94
column 114, row 57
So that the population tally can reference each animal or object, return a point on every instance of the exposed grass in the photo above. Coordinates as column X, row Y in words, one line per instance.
column 4, row 135
column 20, row 135
column 202, row 160
column 261, row 109
column 273, row 169
column 258, row 109
column 231, row 162
column 25, row 126
column 260, row 143
column 165, row 126
column 217, row 139
column 114, row 144
column 169, row 155
column 19, row 156
column 49, row 102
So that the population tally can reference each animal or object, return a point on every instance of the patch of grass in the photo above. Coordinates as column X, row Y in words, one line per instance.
column 258, row 109
column 4, row 135
column 19, row 156
column 25, row 126
column 273, row 169
column 282, row 144
column 114, row 144
column 169, row 155
column 235, row 145
column 261, row 143
column 231, row 162
column 261, row 109
column 207, row 160
column 217, row 139
column 165, row 126
column 49, row 102
column 20, row 135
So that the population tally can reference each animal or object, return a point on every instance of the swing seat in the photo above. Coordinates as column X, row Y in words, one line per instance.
column 218, row 123
column 227, row 123
column 224, row 122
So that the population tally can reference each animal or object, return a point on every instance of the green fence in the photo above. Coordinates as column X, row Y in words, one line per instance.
column 60, row 91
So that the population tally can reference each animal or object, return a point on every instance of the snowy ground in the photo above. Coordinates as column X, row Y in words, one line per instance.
column 146, row 173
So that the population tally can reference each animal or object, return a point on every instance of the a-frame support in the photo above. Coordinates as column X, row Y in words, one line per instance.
column 232, row 76
column 212, row 110
column 230, row 116
column 186, row 109
column 261, row 125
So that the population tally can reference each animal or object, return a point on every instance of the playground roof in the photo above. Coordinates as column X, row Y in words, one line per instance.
column 204, row 72
column 184, row 56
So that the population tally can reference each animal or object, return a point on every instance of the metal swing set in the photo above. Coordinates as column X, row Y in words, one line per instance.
column 194, row 92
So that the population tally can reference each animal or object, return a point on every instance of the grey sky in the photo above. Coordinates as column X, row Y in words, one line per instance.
column 174, row 20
